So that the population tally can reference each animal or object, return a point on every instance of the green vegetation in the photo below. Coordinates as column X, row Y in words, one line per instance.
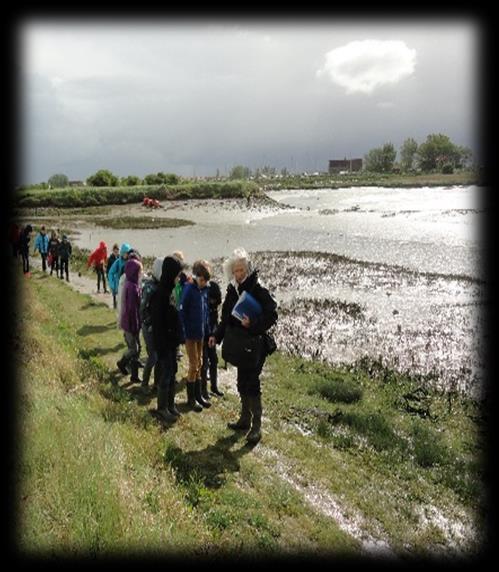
column 94, row 196
column 98, row 475
column 141, row 222
column 366, row 179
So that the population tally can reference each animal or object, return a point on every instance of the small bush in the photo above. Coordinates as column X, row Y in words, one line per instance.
column 428, row 447
column 335, row 389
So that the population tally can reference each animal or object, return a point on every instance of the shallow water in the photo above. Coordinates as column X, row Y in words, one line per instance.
column 407, row 286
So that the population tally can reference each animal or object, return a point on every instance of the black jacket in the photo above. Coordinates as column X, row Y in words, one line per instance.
column 269, row 307
column 166, row 329
column 214, row 300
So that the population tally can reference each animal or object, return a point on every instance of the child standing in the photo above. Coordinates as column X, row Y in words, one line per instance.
column 42, row 245
column 193, row 317
column 149, row 287
column 53, row 256
column 130, row 319
column 65, row 250
column 116, row 270
column 210, row 358
column 98, row 259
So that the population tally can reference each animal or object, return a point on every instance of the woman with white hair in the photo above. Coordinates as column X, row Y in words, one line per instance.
column 243, row 278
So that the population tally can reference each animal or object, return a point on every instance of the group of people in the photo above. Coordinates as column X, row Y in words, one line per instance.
column 55, row 253
column 172, row 307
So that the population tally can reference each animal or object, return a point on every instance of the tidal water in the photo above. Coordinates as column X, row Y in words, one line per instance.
column 396, row 275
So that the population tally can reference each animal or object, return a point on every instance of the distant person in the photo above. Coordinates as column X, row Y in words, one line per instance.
column 24, row 241
column 166, row 331
column 242, row 278
column 98, row 260
column 210, row 358
column 194, row 317
column 130, row 319
column 53, row 255
column 116, row 270
column 42, row 245
column 112, row 257
column 65, row 250
column 14, row 236
column 149, row 287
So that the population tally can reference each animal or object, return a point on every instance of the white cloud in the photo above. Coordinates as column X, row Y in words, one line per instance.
column 363, row 66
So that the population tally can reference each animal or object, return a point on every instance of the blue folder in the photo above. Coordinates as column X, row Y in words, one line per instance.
column 248, row 306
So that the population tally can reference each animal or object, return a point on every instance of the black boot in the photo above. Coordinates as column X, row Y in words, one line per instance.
column 191, row 399
column 121, row 366
column 213, row 382
column 134, row 371
column 198, row 396
column 204, row 390
column 171, row 400
column 244, row 421
column 255, row 434
column 162, row 410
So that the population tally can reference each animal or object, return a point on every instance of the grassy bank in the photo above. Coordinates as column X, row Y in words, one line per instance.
column 97, row 473
column 372, row 180
column 96, row 196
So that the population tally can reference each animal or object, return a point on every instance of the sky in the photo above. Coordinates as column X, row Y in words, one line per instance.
column 195, row 96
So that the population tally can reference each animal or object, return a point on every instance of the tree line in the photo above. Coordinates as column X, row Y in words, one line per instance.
column 437, row 154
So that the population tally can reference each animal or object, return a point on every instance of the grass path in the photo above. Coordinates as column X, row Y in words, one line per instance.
column 98, row 473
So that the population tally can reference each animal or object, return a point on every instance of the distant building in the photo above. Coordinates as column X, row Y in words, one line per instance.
column 76, row 183
column 349, row 165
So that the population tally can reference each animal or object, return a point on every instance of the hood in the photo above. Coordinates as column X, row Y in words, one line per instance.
column 132, row 270
column 125, row 247
column 102, row 245
column 157, row 267
column 170, row 269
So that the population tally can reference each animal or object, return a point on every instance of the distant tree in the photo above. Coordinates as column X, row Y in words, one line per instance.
column 438, row 150
column 239, row 172
column 408, row 154
column 380, row 159
column 162, row 179
column 284, row 172
column 171, row 179
column 57, row 181
column 131, row 181
column 103, row 178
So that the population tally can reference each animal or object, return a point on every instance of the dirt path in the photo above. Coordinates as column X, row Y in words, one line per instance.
column 82, row 284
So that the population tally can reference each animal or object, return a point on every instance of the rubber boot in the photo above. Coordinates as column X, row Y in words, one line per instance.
column 255, row 434
column 191, row 399
column 162, row 410
column 213, row 382
column 198, row 396
column 244, row 421
column 171, row 401
column 134, row 372
column 204, row 390
column 121, row 366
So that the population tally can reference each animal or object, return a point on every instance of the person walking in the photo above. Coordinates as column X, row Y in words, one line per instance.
column 24, row 241
column 53, row 255
column 98, row 260
column 42, row 245
column 65, row 250
column 243, row 278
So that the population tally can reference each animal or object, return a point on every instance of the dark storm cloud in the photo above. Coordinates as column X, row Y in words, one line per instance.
column 191, row 98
